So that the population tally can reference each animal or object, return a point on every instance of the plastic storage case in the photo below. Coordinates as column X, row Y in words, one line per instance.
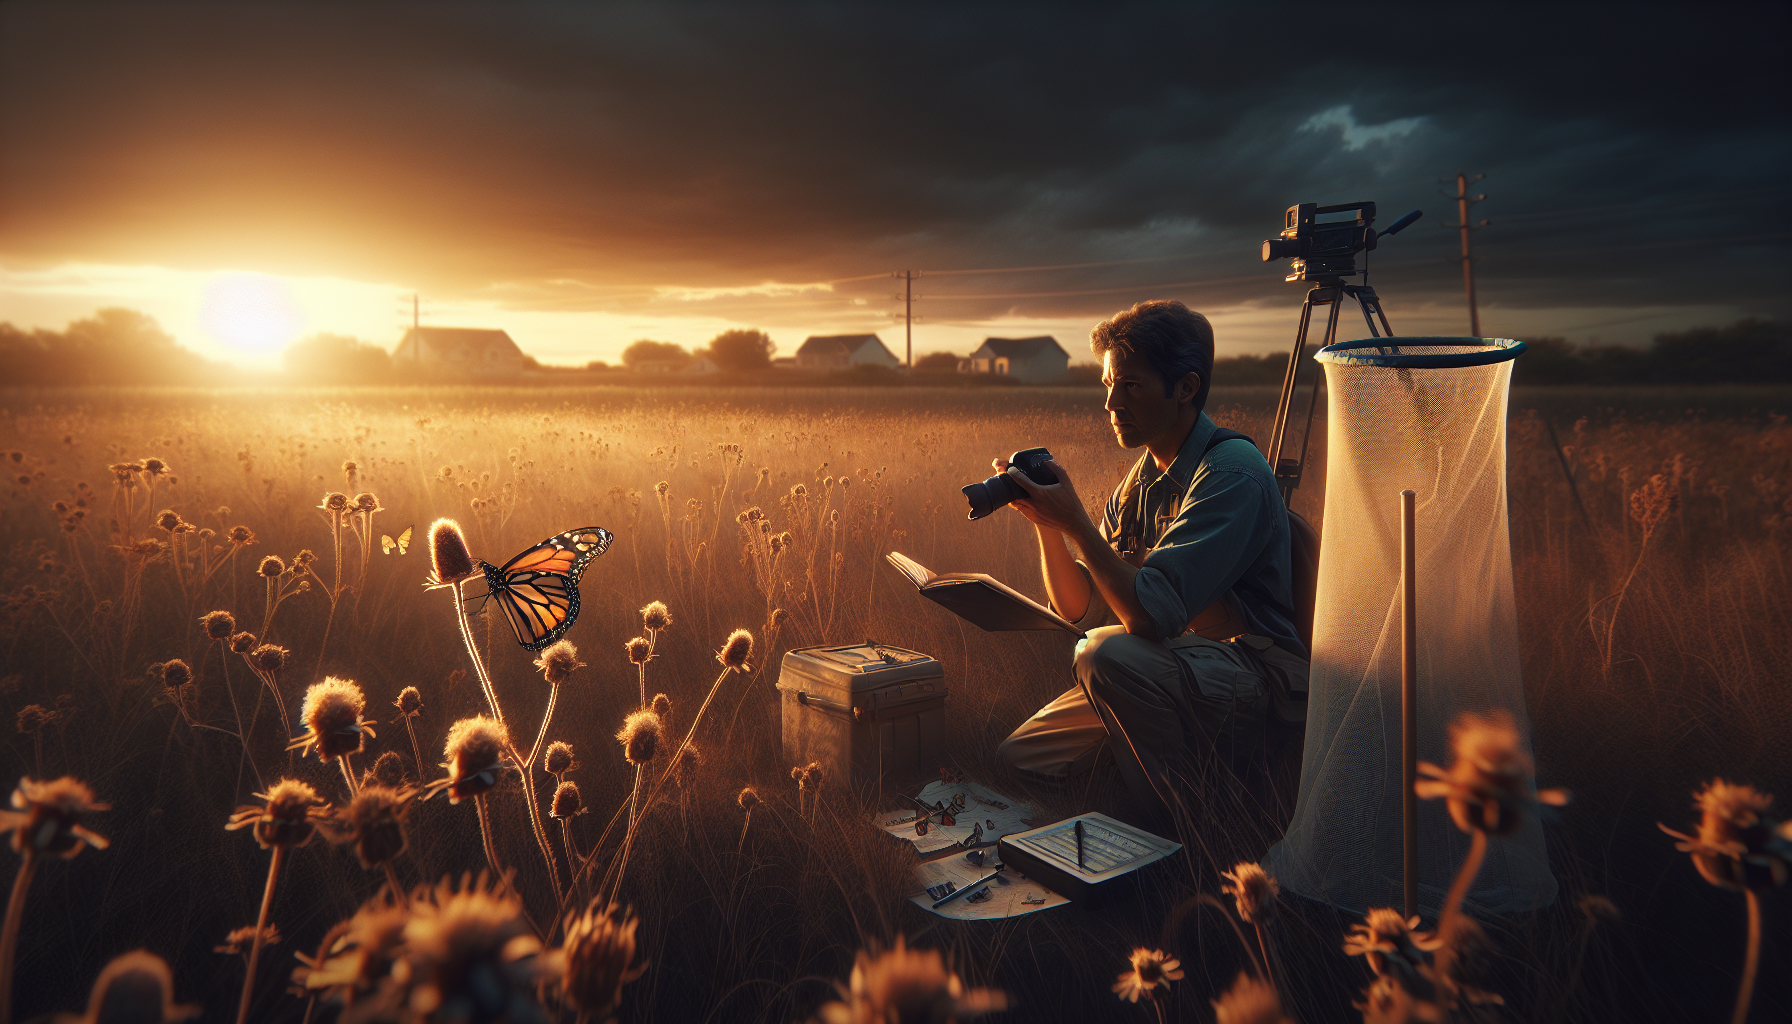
column 871, row 714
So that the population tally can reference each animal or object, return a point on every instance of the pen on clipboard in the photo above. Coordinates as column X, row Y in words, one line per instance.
column 1079, row 843
column 973, row 887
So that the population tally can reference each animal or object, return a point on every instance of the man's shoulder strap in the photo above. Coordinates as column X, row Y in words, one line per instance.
column 1221, row 435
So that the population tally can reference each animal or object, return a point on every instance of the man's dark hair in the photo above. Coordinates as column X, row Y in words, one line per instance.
column 1173, row 338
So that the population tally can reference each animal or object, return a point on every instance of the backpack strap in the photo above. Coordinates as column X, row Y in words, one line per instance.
column 1221, row 436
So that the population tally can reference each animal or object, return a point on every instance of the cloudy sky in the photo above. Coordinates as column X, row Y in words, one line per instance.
column 582, row 177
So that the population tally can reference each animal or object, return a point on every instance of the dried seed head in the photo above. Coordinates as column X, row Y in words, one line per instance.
column 169, row 520
column 176, row 673
column 598, row 959
column 332, row 717
column 638, row 650
column 366, row 502
column 286, row 817
column 559, row 760
column 335, row 501
column 567, row 801
column 1250, row 1001
column 467, row 955
column 241, row 536
column 409, row 702
column 136, row 986
column 1150, row 969
column 239, row 941
column 388, row 769
column 1391, row 943
column 639, row 736
column 559, row 661
column 242, row 643
column 1254, row 889
column 655, row 616
column 1490, row 787
column 218, row 625
column 736, row 651
column 33, row 717
column 268, row 657
column 303, row 560
column 475, row 752
column 808, row 776
column 661, row 705
column 776, row 619
column 902, row 984
column 271, row 566
column 374, row 821
column 154, row 467
column 689, row 760
column 47, row 817
column 1737, row 846
column 748, row 799
column 449, row 559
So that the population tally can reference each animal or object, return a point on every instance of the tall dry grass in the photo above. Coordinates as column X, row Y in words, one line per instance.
column 1655, row 653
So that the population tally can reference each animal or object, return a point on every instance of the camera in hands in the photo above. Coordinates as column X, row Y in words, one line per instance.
column 998, row 490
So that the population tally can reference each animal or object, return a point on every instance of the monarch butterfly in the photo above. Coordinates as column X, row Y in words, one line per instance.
column 403, row 543
column 539, row 589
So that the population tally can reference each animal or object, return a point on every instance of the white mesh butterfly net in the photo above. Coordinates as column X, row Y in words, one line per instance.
column 1429, row 415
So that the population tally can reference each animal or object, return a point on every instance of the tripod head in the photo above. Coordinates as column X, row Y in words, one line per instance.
column 1323, row 240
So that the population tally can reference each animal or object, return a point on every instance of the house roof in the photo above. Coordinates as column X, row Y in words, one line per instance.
column 836, row 344
column 472, row 339
column 1021, row 348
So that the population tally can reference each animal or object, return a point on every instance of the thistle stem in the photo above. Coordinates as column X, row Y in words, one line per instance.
column 1751, row 960
column 628, row 838
column 9, row 937
column 541, row 734
column 348, row 776
column 466, row 635
column 393, row 884
column 1263, row 947
column 241, row 735
column 541, row 834
column 485, row 833
column 261, row 924
column 416, row 751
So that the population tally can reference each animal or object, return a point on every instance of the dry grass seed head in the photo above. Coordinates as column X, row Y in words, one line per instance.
column 48, row 817
column 239, row 940
column 450, row 561
column 735, row 652
column 559, row 661
column 332, row 717
column 218, row 625
column 902, row 984
column 655, row 616
column 639, row 736
column 475, row 751
column 134, row 988
column 597, row 959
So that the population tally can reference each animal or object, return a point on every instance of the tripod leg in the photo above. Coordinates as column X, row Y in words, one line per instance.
column 1290, row 375
column 1331, row 335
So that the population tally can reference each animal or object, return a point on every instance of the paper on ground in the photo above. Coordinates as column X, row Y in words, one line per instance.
column 1008, row 891
column 998, row 815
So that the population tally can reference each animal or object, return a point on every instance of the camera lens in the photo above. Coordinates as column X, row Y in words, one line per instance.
column 1282, row 248
column 991, row 494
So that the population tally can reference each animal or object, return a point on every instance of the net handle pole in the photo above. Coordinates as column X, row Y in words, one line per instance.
column 1409, row 699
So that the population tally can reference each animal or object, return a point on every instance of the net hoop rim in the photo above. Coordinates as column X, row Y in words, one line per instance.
column 1485, row 352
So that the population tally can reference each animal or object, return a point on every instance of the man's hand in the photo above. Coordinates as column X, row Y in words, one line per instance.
column 1053, row 507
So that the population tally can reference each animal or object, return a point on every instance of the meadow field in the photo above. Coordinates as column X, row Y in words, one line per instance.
column 1656, row 656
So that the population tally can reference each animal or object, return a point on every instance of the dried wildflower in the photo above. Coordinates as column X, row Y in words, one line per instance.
column 559, row 661
column 241, row 536
column 409, row 702
column 449, row 560
column 335, row 501
column 1386, row 1001
column 1391, row 943
column 1249, row 1001
column 33, row 717
column 655, row 616
column 903, row 984
column 218, row 625
column 661, row 706
column 154, row 467
column 366, row 502
column 1489, row 788
column 598, row 959
column 1737, row 846
column 776, row 620
column 169, row 520
column 807, row 776
column 134, row 988
column 239, row 940
column 736, row 651
column 287, row 818
column 559, row 760
column 1151, row 968
column 269, row 657
column 689, row 760
column 468, row 955
column 374, row 821
column 303, row 560
column 475, row 751
column 357, row 954
column 47, row 817
column 333, row 721
column 748, row 799
column 567, row 801
column 175, row 673
column 242, row 643
column 387, row 770
column 1254, row 890
column 639, row 735
column 271, row 566
column 639, row 650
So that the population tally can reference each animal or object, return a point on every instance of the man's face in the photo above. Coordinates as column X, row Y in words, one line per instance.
column 1137, row 408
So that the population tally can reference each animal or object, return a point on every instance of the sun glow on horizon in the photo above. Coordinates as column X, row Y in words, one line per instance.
column 257, row 315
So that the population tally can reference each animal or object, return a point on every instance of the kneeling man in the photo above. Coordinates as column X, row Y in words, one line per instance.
column 1188, row 576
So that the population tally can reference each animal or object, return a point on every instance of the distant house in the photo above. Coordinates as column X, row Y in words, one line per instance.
column 701, row 364
column 840, row 351
column 1033, row 360
column 469, row 351
column 784, row 362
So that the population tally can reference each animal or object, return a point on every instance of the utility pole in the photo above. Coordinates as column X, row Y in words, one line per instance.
column 908, row 314
column 1463, row 202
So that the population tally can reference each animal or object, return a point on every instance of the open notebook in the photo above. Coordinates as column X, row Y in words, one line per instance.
column 980, row 599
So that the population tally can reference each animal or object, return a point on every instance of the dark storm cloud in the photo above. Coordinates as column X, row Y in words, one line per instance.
column 1635, row 153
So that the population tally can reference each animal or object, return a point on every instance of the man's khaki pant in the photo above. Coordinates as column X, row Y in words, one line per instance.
column 1153, row 700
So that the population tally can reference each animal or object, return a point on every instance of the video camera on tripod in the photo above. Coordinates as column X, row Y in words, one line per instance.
column 1323, row 242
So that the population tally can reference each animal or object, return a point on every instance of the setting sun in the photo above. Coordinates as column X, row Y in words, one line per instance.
column 253, row 314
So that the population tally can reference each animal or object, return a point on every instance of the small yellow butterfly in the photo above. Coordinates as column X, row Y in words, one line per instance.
column 403, row 543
